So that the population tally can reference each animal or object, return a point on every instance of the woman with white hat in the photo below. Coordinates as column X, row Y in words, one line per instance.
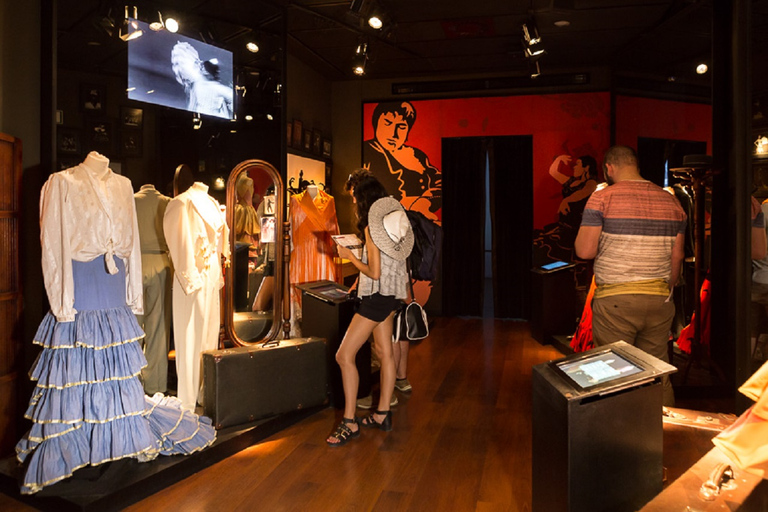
column 388, row 239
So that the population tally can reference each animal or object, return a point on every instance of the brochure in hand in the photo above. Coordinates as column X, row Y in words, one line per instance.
column 351, row 242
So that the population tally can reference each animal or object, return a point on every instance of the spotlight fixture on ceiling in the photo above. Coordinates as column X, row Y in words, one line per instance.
column 532, row 42
column 171, row 25
column 252, row 46
column 702, row 68
column 130, row 29
column 197, row 122
column 376, row 21
column 531, row 33
column 157, row 24
column 360, row 60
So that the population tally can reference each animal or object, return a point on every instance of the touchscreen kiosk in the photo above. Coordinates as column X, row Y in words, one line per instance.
column 601, row 410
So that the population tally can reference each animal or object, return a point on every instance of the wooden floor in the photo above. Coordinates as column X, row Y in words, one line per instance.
column 461, row 440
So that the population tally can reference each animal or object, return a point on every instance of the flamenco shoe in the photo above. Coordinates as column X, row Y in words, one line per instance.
column 385, row 425
column 343, row 434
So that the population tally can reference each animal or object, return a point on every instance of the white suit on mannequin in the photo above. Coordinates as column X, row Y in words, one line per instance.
column 197, row 238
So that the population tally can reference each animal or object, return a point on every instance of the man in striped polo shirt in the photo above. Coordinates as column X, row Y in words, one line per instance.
column 634, row 231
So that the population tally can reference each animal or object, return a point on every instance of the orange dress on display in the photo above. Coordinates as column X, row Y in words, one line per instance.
column 313, row 252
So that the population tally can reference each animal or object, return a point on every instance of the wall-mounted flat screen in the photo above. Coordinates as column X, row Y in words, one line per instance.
column 180, row 72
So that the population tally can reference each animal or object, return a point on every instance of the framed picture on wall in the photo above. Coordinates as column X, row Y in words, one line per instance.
column 131, row 143
column 100, row 136
column 131, row 117
column 93, row 98
column 317, row 142
column 327, row 148
column 68, row 141
column 307, row 140
column 297, row 127
column 288, row 134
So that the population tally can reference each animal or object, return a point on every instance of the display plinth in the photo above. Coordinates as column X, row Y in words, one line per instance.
column 326, row 311
column 597, row 430
column 553, row 302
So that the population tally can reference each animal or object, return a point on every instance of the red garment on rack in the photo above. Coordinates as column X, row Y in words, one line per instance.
column 582, row 338
column 687, row 334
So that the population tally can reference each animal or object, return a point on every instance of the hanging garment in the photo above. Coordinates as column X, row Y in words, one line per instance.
column 582, row 338
column 313, row 256
column 197, row 238
column 88, row 406
column 688, row 333
column 157, row 274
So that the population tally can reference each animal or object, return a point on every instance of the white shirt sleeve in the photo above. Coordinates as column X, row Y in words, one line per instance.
column 179, row 234
column 56, row 250
column 134, row 289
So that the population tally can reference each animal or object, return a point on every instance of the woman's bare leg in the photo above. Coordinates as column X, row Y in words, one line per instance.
column 359, row 330
column 382, row 343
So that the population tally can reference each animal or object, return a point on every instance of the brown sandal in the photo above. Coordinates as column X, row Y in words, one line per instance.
column 343, row 434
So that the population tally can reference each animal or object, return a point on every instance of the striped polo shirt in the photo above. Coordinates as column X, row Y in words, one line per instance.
column 639, row 222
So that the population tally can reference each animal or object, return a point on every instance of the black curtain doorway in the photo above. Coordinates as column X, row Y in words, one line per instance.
column 510, row 161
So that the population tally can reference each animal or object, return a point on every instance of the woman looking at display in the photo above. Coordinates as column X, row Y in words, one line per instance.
column 388, row 240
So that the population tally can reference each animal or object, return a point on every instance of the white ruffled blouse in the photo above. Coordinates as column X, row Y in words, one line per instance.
column 83, row 218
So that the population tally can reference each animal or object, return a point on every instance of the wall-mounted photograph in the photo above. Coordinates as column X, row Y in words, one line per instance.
column 327, row 148
column 92, row 98
column 131, row 117
column 99, row 136
column 68, row 141
column 297, row 133
column 130, row 143
column 317, row 142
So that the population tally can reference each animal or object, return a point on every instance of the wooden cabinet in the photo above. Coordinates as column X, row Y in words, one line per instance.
column 10, row 292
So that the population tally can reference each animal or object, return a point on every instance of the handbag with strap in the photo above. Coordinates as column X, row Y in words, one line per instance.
column 410, row 322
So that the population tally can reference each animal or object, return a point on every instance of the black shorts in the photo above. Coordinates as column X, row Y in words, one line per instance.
column 377, row 307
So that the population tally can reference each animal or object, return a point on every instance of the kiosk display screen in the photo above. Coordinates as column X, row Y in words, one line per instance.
column 329, row 291
column 554, row 265
column 599, row 368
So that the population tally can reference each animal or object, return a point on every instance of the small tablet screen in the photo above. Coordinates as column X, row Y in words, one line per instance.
column 598, row 369
column 554, row 265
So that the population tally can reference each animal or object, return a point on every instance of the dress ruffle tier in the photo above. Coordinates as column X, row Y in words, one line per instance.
column 89, row 407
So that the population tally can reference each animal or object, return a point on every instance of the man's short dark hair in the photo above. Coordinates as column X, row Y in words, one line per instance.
column 404, row 108
column 620, row 156
column 591, row 164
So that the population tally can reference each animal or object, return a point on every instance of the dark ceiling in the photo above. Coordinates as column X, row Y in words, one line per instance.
column 437, row 38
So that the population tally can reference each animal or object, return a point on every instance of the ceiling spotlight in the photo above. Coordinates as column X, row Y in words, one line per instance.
column 702, row 68
column 171, row 25
column 375, row 21
column 130, row 28
column 562, row 23
column 252, row 47
column 158, row 23
column 361, row 58
column 248, row 117
column 197, row 123
column 531, row 33
column 270, row 117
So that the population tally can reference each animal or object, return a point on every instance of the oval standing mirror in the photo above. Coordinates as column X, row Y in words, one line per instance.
column 253, row 296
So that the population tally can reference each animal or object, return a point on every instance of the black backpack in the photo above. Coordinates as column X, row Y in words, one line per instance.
column 427, row 244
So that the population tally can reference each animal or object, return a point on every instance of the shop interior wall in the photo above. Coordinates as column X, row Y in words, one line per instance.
column 20, row 93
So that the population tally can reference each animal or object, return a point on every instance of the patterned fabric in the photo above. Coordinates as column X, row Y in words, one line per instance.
column 639, row 222
column 392, row 281
column 87, row 212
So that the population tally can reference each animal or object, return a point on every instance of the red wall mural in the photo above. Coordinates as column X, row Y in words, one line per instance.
column 561, row 124
column 662, row 119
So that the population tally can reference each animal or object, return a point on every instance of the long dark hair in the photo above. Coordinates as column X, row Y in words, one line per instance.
column 366, row 192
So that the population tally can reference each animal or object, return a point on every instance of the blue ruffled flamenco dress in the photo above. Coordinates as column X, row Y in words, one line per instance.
column 88, row 406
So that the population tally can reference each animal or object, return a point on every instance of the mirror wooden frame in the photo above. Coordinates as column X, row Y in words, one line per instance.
column 280, row 272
